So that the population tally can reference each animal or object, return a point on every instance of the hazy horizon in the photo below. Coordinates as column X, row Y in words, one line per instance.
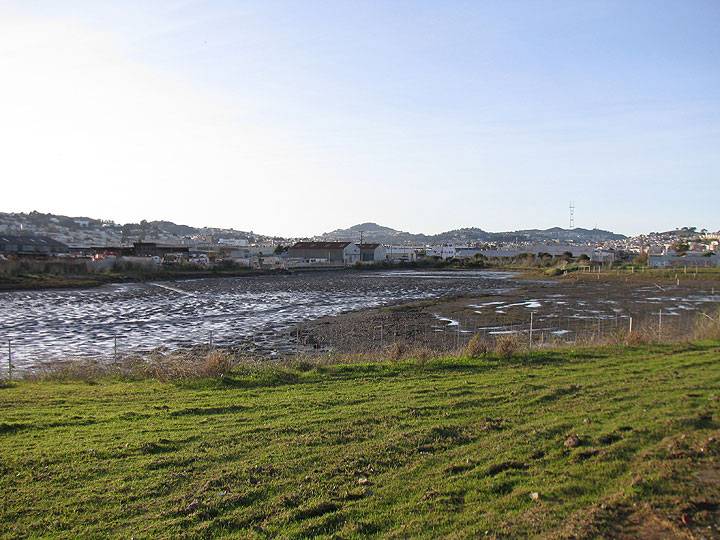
column 348, row 226
column 294, row 119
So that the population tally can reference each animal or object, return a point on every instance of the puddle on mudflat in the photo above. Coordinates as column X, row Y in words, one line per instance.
column 450, row 322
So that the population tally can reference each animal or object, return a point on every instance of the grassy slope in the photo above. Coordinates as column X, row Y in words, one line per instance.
column 408, row 449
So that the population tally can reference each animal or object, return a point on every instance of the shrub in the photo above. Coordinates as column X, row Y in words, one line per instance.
column 422, row 353
column 85, row 370
column 396, row 351
column 477, row 347
column 507, row 345
column 707, row 327
column 637, row 338
column 216, row 364
column 641, row 259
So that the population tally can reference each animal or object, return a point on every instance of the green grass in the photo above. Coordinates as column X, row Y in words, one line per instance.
column 452, row 447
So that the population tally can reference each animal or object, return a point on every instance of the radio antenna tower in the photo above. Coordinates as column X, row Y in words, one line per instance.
column 572, row 215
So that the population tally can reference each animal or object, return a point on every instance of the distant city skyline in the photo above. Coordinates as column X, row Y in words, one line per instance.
column 295, row 119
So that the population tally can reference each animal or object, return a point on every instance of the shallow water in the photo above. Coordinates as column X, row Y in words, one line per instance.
column 256, row 312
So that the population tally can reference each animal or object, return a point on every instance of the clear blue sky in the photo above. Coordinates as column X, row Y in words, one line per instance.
column 299, row 117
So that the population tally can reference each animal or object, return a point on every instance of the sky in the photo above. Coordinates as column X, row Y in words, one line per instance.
column 294, row 118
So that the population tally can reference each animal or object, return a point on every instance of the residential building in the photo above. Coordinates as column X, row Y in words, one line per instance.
column 467, row 252
column 332, row 253
column 237, row 242
column 690, row 259
column 445, row 251
column 140, row 249
column 400, row 254
column 371, row 253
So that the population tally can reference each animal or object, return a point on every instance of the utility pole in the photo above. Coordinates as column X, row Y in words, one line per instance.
column 361, row 244
column 572, row 215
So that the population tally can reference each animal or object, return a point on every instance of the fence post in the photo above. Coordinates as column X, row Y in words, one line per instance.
column 10, row 366
column 630, row 328
column 531, row 328
column 115, row 347
column 660, row 324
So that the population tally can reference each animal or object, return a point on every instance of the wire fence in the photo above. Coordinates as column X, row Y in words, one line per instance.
column 375, row 338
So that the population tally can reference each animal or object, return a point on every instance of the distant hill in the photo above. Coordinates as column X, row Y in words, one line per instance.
column 372, row 232
column 88, row 231
column 85, row 231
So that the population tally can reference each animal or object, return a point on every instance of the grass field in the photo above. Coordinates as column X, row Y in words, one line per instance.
column 575, row 443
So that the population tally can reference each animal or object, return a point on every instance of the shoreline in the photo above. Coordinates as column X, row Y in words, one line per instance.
column 47, row 282
column 94, row 281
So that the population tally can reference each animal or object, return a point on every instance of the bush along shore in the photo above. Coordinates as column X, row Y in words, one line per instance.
column 613, row 440
column 28, row 274
column 51, row 280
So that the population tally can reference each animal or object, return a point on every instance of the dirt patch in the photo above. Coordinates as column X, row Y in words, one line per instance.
column 648, row 525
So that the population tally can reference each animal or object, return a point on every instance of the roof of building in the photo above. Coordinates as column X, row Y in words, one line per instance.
column 320, row 245
column 37, row 241
column 369, row 246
